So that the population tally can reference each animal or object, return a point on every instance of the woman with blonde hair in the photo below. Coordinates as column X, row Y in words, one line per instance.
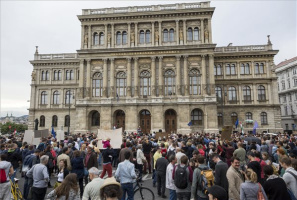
column 250, row 188
column 68, row 190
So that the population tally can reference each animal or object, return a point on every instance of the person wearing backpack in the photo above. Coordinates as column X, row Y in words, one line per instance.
column 6, row 170
column 183, row 176
column 202, row 178
column 290, row 175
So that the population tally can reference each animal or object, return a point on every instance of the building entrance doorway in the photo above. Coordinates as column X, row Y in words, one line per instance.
column 170, row 121
column 120, row 119
column 145, row 121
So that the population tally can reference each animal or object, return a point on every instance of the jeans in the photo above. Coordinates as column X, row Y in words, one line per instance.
column 38, row 193
column 107, row 168
column 27, row 184
column 81, row 186
column 127, row 188
column 184, row 195
column 14, row 173
column 148, row 159
column 115, row 161
column 154, row 177
column 161, row 178
column 172, row 195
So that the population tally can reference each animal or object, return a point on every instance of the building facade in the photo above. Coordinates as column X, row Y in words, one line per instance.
column 154, row 67
column 286, row 72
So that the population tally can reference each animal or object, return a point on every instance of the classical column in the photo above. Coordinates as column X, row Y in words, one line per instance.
column 255, row 92
column 153, row 82
column 186, row 82
column 202, row 31
column 88, row 77
column 105, row 35
column 82, row 36
column 209, row 31
column 252, row 69
column 90, row 37
column 211, row 74
column 268, row 94
column 136, row 77
column 129, row 34
column 177, row 31
column 203, row 77
column 135, row 34
column 160, row 33
column 178, row 77
column 129, row 77
column 160, row 76
column 239, row 98
column 105, row 78
column 185, row 32
column 112, row 35
column 112, row 88
column 81, row 73
column 238, row 69
column 153, row 34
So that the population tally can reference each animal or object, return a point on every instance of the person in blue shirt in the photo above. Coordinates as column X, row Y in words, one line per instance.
column 126, row 173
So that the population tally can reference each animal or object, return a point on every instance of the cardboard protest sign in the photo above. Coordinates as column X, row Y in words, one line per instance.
column 114, row 135
column 226, row 133
column 60, row 135
column 162, row 135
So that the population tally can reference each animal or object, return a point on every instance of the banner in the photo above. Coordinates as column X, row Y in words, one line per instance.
column 114, row 135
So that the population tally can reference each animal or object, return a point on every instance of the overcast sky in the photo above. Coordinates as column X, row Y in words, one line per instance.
column 54, row 27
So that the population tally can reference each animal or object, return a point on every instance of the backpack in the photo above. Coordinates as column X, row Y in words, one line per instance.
column 3, row 177
column 260, row 195
column 27, row 163
column 181, row 179
column 206, row 179
column 170, row 152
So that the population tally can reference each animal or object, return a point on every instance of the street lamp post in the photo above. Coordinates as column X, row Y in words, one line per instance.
column 223, row 104
column 69, row 96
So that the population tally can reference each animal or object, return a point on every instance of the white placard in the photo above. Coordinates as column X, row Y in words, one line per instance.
column 114, row 135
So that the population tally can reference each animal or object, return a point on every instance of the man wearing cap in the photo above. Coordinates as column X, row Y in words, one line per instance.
column 92, row 189
column 217, row 193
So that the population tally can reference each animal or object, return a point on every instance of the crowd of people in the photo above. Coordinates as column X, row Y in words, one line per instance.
column 196, row 166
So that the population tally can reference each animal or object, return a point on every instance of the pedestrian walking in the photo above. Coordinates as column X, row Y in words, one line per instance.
column 92, row 189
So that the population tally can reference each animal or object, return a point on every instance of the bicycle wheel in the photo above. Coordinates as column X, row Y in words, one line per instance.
column 144, row 194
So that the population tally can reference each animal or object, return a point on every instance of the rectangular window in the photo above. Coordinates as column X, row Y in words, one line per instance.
column 290, row 97
column 228, row 72
column 289, row 84
column 285, row 99
column 295, row 82
column 283, row 86
column 287, row 126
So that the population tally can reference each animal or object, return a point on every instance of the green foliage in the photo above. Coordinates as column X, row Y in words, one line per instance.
column 19, row 127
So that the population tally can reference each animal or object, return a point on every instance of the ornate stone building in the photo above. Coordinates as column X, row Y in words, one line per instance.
column 155, row 67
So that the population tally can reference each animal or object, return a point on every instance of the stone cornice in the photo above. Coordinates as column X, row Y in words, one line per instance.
column 54, row 63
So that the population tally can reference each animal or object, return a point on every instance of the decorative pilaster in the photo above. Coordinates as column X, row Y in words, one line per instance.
column 204, row 76
column 136, row 34
column 82, row 36
column 178, row 77
column 90, row 37
column 129, row 77
column 153, row 34
column 105, row 78
column 209, row 30
column 112, row 75
column 186, row 82
column 112, row 35
column 254, row 89
column 202, row 31
column 153, row 83
column 185, row 32
column 81, row 73
column 160, row 76
column 211, row 72
column 88, row 86
column 177, row 31
column 160, row 33
column 128, row 34
column 238, row 69
column 105, row 35
column 239, row 97
column 136, row 77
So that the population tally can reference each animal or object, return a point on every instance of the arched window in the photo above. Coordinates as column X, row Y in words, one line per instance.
column 145, row 83
column 190, row 34
column 218, row 70
column 147, row 36
column 233, row 69
column 124, row 39
column 71, row 75
column 248, row 115
column 121, row 84
column 59, row 75
column 43, row 77
column 247, row 93
column 141, row 37
column 56, row 97
column 228, row 69
column 171, row 35
column 195, row 82
column 68, row 97
column 245, row 68
column 118, row 38
column 233, row 118
column 55, row 121
column 232, row 94
column 96, row 38
column 55, row 75
column 96, row 119
column 196, row 33
column 42, row 121
column 101, row 38
column 196, row 117
column 67, row 75
column 220, row 119
column 219, row 94
column 259, row 68
column 46, row 75
column 169, row 82
column 43, row 98
column 67, row 121
column 97, row 84
column 165, row 35
column 264, row 118
column 261, row 93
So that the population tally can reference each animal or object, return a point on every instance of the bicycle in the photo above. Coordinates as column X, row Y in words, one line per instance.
column 15, row 190
column 143, row 193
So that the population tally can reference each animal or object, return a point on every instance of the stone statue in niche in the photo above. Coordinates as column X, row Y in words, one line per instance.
column 132, row 37
column 206, row 34
column 86, row 39
column 156, row 36
column 33, row 76
column 181, row 36
column 108, row 37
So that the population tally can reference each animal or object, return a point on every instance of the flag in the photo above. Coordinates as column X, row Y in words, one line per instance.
column 118, row 97
column 236, row 123
column 255, row 127
column 190, row 123
column 53, row 132
column 15, row 131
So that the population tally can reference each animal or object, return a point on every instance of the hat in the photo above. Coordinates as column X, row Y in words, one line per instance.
column 110, row 181
column 91, row 146
column 218, row 192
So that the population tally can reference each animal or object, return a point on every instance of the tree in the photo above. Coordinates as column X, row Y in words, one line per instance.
column 19, row 127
